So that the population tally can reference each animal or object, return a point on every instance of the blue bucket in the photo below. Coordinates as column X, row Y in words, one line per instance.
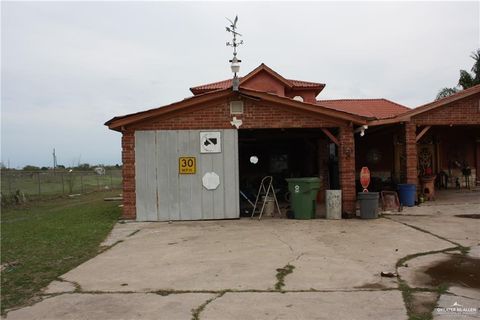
column 407, row 193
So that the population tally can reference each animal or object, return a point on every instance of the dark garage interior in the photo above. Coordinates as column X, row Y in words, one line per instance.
column 283, row 153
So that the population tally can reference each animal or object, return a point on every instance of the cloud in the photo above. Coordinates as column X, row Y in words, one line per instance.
column 67, row 67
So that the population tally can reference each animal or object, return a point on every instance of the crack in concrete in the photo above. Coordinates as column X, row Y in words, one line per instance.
column 196, row 312
column 219, row 293
column 407, row 291
column 284, row 242
column 429, row 232
column 134, row 232
column 169, row 292
column 102, row 249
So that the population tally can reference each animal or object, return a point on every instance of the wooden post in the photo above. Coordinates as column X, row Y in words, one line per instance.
column 81, row 181
column 330, row 135
column 39, row 187
column 422, row 133
column 10, row 183
column 63, row 184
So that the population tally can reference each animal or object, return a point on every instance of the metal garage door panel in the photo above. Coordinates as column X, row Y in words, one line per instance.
column 145, row 173
column 231, row 180
column 164, row 194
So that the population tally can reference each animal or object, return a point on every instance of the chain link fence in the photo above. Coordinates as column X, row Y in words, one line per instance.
column 48, row 183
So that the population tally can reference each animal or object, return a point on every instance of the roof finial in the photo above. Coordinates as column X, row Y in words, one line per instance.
column 235, row 63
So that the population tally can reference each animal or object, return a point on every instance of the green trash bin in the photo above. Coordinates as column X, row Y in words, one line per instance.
column 303, row 196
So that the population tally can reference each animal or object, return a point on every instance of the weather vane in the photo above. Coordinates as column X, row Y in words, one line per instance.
column 235, row 63
column 232, row 28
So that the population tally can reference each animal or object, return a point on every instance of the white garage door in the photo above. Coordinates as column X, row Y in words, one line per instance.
column 164, row 193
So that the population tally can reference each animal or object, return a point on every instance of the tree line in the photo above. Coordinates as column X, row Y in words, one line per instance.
column 466, row 80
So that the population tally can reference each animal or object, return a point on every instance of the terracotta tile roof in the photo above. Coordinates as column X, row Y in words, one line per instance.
column 370, row 108
column 212, row 86
column 228, row 83
column 305, row 84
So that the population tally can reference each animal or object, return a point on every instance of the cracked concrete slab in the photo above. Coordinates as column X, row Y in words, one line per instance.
column 122, row 231
column 332, row 262
column 423, row 302
column 307, row 305
column 112, row 306
column 188, row 256
column 465, row 292
column 342, row 255
column 474, row 251
column 415, row 275
column 59, row 287
column 442, row 220
column 245, row 254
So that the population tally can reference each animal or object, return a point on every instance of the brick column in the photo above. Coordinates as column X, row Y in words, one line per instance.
column 128, row 159
column 411, row 153
column 346, row 163
column 477, row 161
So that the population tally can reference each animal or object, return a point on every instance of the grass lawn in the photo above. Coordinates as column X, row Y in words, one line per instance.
column 42, row 240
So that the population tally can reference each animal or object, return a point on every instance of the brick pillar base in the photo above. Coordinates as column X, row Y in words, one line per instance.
column 128, row 171
column 346, row 159
column 411, row 153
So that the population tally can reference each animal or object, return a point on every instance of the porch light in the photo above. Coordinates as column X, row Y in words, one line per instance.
column 235, row 66
column 361, row 130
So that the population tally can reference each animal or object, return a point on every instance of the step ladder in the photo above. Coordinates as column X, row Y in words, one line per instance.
column 265, row 191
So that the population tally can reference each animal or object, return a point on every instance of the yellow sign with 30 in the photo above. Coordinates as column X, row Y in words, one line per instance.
column 187, row 165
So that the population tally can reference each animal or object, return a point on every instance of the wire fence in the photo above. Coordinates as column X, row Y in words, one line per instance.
column 49, row 183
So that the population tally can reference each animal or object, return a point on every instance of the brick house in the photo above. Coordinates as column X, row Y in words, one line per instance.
column 293, row 134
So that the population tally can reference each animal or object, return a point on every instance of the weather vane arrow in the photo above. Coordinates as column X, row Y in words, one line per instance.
column 232, row 28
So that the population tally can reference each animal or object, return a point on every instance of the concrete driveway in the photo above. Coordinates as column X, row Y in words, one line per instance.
column 269, row 269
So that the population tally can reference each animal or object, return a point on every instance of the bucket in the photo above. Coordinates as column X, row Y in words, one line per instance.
column 269, row 206
column 407, row 193
column 368, row 204
column 333, row 204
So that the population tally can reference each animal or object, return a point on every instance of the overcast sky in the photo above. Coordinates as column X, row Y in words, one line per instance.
column 69, row 67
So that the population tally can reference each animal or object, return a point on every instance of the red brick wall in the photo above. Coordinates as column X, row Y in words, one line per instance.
column 411, row 153
column 462, row 112
column 307, row 95
column 128, row 158
column 217, row 116
column 266, row 83
column 346, row 155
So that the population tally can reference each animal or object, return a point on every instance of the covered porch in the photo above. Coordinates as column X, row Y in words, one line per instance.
column 435, row 146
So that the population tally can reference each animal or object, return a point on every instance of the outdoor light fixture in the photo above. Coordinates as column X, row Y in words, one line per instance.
column 235, row 66
column 362, row 130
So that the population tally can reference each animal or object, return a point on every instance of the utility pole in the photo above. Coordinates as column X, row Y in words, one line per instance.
column 54, row 161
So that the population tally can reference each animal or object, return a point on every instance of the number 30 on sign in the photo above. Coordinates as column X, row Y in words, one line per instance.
column 187, row 165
